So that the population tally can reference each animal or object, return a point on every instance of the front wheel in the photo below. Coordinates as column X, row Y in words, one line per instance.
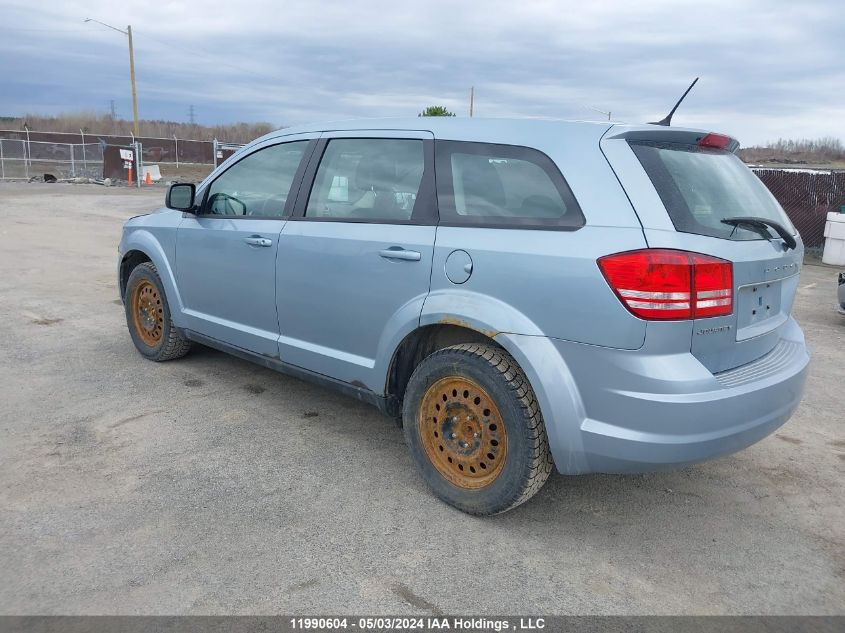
column 148, row 316
column 475, row 430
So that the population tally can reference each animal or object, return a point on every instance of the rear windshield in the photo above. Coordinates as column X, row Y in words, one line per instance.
column 701, row 187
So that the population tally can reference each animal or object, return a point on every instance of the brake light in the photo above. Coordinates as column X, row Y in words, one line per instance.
column 663, row 284
column 717, row 141
column 713, row 286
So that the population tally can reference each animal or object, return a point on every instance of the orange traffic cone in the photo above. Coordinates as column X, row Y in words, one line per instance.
column 147, row 179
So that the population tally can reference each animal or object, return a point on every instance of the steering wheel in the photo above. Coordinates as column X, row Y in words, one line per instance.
column 231, row 205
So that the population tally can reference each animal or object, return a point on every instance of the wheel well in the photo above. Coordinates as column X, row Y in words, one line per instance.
column 128, row 264
column 416, row 346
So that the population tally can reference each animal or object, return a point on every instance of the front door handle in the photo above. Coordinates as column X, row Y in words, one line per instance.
column 400, row 253
column 257, row 240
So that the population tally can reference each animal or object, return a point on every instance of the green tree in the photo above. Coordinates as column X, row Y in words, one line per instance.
column 436, row 111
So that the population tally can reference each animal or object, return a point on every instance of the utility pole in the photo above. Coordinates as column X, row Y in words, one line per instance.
column 128, row 33
column 471, row 99
column 191, row 117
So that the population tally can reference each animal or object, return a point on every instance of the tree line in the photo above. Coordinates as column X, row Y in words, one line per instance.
column 813, row 151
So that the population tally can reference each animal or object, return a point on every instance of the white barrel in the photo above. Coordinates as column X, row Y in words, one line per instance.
column 834, row 242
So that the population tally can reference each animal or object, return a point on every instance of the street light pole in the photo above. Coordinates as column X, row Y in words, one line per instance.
column 128, row 33
column 132, row 76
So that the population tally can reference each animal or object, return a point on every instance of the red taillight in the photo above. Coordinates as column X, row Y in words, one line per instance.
column 713, row 286
column 717, row 141
column 670, row 285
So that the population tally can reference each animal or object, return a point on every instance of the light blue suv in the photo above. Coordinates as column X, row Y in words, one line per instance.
column 520, row 293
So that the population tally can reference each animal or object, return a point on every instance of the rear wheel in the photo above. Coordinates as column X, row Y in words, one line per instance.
column 474, row 429
column 148, row 316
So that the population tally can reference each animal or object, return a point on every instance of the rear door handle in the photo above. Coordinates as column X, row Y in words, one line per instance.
column 256, row 240
column 396, row 252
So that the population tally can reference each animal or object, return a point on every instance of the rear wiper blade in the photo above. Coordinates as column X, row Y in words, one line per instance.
column 757, row 222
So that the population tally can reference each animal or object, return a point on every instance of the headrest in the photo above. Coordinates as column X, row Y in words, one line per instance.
column 481, row 180
column 376, row 172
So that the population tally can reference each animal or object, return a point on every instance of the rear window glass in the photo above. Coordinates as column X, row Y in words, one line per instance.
column 485, row 184
column 701, row 187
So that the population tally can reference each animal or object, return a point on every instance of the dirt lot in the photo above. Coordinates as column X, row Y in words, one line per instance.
column 210, row 485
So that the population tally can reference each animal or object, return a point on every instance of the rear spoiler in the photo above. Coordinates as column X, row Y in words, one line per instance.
column 680, row 136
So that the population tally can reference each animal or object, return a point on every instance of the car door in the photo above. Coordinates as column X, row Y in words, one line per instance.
column 226, row 253
column 355, row 258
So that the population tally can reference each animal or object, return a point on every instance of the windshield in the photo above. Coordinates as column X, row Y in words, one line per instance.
column 701, row 187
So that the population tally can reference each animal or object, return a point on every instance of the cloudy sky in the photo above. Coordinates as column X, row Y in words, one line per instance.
column 768, row 69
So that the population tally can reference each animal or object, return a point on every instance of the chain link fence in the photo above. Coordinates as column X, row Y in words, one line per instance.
column 807, row 195
column 64, row 155
column 20, row 159
column 156, row 150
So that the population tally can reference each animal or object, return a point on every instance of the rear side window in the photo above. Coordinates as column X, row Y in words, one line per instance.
column 484, row 184
column 367, row 180
column 700, row 187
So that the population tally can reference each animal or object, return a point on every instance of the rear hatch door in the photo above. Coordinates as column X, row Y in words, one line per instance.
column 683, row 184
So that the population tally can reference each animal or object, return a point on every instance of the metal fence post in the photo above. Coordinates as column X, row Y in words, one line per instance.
column 140, row 157
column 25, row 162
column 214, row 150
column 2, row 162
column 72, row 163
column 84, row 162
column 28, row 152
column 176, row 140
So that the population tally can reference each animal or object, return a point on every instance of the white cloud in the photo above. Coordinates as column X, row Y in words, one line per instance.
column 768, row 68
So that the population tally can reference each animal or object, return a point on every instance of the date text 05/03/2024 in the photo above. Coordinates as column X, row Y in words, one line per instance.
column 399, row 624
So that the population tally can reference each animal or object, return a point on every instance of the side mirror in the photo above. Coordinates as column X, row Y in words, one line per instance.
column 180, row 196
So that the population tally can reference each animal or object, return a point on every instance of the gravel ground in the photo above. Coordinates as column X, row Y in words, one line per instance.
column 210, row 485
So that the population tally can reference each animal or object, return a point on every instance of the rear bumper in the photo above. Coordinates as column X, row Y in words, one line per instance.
column 664, row 430
column 638, row 412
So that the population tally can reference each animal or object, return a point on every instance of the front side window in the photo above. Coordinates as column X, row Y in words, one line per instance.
column 502, row 185
column 257, row 185
column 367, row 179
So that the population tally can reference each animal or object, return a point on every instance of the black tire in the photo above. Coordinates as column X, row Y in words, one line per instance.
column 527, row 462
column 168, row 344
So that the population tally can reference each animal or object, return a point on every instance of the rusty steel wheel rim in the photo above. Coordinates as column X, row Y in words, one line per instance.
column 462, row 432
column 147, row 313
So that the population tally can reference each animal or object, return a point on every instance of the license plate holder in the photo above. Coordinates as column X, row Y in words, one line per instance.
column 757, row 304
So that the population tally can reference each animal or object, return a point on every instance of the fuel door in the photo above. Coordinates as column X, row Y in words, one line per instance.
column 458, row 266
